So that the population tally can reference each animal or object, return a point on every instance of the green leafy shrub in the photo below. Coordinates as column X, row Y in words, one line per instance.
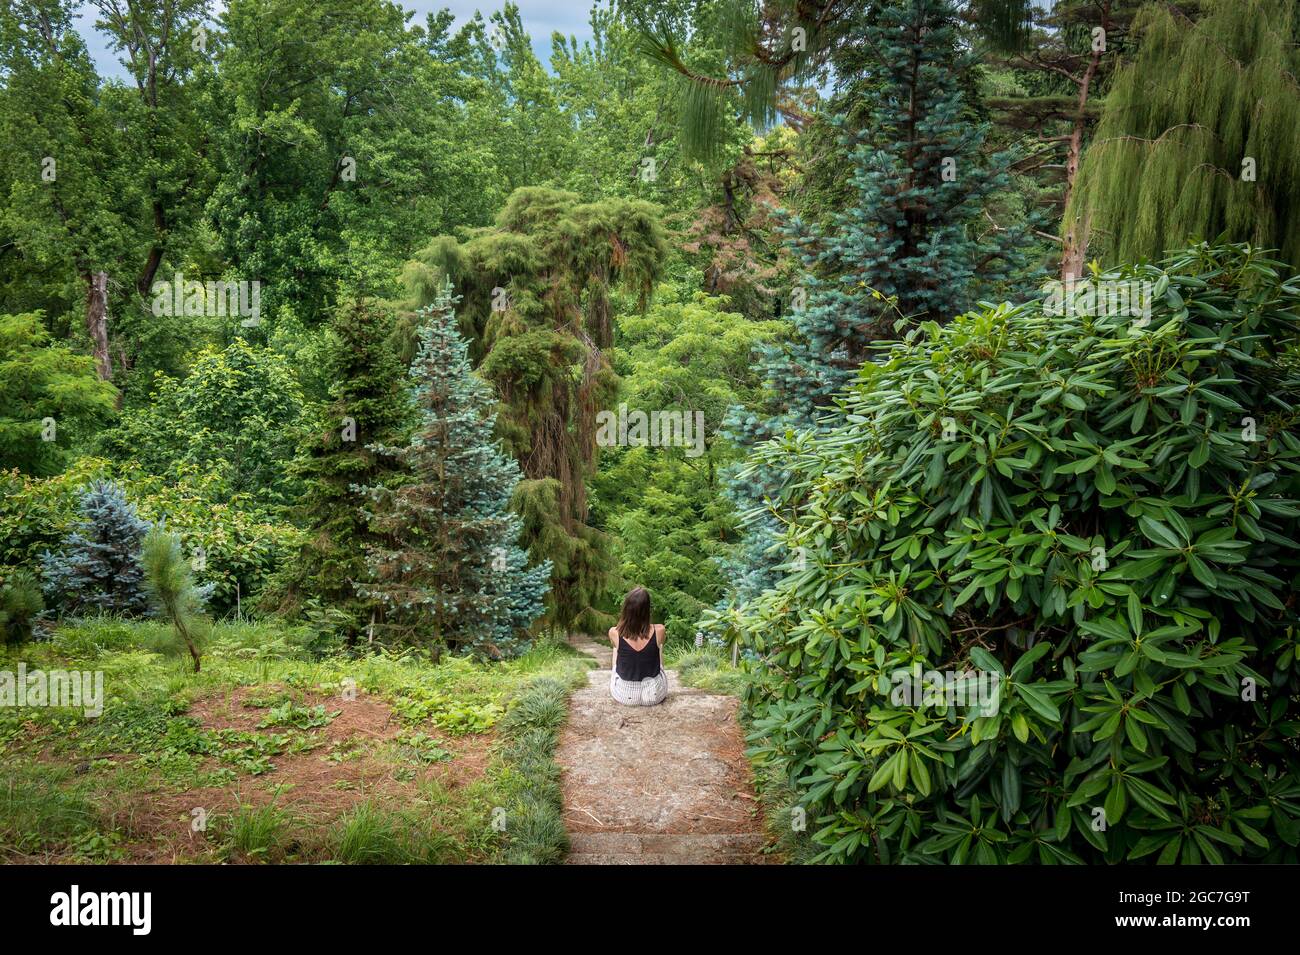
column 36, row 514
column 233, row 546
column 49, row 397
column 235, row 415
column 1101, row 511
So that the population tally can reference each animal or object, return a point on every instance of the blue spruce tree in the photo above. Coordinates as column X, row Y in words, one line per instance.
column 448, row 567
column 920, row 239
column 97, row 569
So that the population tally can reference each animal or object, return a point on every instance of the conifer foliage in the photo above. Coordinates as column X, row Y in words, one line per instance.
column 20, row 602
column 450, row 572
column 1200, row 136
column 98, row 567
column 368, row 406
column 169, row 582
column 919, row 237
column 538, row 289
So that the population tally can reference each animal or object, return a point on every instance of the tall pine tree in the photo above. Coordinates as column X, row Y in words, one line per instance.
column 922, row 238
column 450, row 572
column 368, row 405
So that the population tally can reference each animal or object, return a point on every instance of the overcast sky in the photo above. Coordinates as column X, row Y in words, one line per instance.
column 541, row 18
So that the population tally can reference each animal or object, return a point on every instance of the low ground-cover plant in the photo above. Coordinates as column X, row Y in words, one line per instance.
column 1095, row 512
column 289, row 713
column 707, row 668
column 533, row 822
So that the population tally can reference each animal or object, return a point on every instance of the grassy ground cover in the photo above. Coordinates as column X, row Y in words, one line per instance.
column 274, row 755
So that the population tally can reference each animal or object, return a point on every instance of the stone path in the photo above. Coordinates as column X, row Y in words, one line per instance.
column 655, row 785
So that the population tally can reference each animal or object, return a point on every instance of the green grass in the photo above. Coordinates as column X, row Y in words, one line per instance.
column 38, row 813
column 533, row 822
column 257, row 833
column 374, row 834
column 66, row 779
column 784, row 819
column 368, row 835
column 707, row 669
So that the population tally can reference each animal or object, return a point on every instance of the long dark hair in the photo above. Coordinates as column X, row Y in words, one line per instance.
column 634, row 621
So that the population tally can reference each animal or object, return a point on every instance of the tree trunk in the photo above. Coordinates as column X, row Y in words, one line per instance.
column 97, row 322
column 144, row 285
column 184, row 631
column 1074, row 235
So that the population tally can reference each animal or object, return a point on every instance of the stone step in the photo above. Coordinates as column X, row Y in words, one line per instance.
column 612, row 848
column 660, row 842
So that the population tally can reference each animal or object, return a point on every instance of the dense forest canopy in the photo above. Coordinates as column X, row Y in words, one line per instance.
column 921, row 336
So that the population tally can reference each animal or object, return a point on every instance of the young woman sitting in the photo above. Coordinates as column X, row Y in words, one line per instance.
column 638, row 677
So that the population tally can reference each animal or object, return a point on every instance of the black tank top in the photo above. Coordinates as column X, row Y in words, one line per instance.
column 633, row 665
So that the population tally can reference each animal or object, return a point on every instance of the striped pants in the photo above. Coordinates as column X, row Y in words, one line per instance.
column 646, row 692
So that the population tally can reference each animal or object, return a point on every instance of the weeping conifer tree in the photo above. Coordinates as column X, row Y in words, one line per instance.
column 536, row 290
column 448, row 567
column 1200, row 136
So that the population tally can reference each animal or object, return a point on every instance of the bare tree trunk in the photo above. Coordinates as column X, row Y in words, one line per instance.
column 1074, row 234
column 97, row 322
column 1074, row 249
column 144, row 284
column 184, row 631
